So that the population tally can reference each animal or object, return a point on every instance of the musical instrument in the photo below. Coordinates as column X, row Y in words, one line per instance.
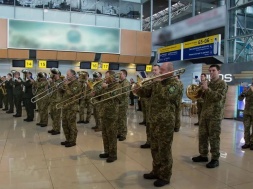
column 195, row 92
column 82, row 75
column 2, row 87
column 140, row 83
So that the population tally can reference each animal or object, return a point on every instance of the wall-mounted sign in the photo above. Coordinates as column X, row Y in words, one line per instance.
column 28, row 63
column 148, row 68
column 105, row 66
column 42, row 63
column 94, row 65
column 204, row 47
column 170, row 53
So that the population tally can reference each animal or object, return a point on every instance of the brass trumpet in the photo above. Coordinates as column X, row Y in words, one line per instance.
column 140, row 83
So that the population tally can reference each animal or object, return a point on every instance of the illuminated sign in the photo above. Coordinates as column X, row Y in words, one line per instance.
column 170, row 53
column 42, row 63
column 226, row 77
column 148, row 68
column 94, row 65
column 28, row 63
column 105, row 66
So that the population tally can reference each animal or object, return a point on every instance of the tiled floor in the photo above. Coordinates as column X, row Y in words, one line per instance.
column 33, row 159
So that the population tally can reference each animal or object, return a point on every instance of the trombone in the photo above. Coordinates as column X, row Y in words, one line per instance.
column 138, row 85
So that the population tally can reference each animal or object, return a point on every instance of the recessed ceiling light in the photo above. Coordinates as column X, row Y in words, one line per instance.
column 199, row 12
column 211, row 7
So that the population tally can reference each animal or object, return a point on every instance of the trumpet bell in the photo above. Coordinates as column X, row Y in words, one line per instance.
column 194, row 92
column 135, row 86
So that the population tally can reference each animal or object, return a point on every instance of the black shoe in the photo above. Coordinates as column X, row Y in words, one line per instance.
column 251, row 147
column 70, row 144
column 16, row 115
column 9, row 112
column 111, row 159
column 200, row 159
column 160, row 183
column 245, row 146
column 50, row 131
column 142, row 123
column 145, row 145
column 26, row 119
column 86, row 122
column 95, row 127
column 29, row 120
column 39, row 124
column 212, row 164
column 131, row 104
column 55, row 132
column 121, row 138
column 80, row 122
column 150, row 176
column 176, row 130
column 138, row 110
column 105, row 155
column 118, row 136
column 64, row 143
column 5, row 109
column 196, row 123
column 43, row 125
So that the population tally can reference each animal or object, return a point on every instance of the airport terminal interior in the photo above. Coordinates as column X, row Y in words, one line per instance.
column 47, row 38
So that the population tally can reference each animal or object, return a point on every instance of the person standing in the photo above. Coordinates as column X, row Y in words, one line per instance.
column 122, row 116
column 155, row 72
column 5, row 99
column 28, row 94
column 131, row 95
column 178, row 107
column 200, row 100
column 247, row 94
column 70, row 88
column 9, row 89
column 161, row 95
column 83, row 78
column 17, row 94
column 214, row 96
column 87, row 103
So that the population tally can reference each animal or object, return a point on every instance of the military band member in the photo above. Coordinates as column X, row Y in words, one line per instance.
column 214, row 96
column 28, row 94
column 55, row 98
column 143, row 102
column 122, row 116
column 161, row 95
column 83, row 79
column 88, row 105
column 9, row 89
column 110, row 117
column 71, row 87
column 4, row 91
column 42, row 87
column 155, row 72
column 247, row 94
column 178, row 107
column 200, row 100
column 17, row 94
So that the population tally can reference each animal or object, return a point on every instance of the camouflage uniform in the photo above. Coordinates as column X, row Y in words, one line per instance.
column 178, row 107
column 69, row 112
column 98, row 109
column 109, row 120
column 9, row 89
column 144, row 109
column 55, row 113
column 43, row 103
column 82, row 101
column 210, row 119
column 88, row 105
column 248, row 115
column 122, row 116
column 17, row 96
column 162, row 109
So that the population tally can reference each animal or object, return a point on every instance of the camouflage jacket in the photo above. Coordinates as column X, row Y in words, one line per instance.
column 214, row 100
column 56, row 95
column 41, row 87
column 162, row 98
column 180, row 96
column 70, row 90
column 248, row 95
column 125, row 85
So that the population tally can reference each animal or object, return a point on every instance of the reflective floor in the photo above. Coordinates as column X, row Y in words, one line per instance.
column 33, row 159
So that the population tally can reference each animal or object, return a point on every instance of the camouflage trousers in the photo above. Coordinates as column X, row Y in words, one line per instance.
column 161, row 142
column 209, row 132
column 97, row 116
column 144, row 109
column 248, row 123
column 81, row 109
column 178, row 118
column 109, row 131
column 69, row 124
column 122, row 120
column 83, row 103
column 56, row 117
column 43, row 111
column 148, row 123
column 199, row 108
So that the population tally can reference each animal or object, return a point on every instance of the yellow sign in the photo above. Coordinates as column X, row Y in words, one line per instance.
column 148, row 68
column 94, row 65
column 105, row 66
column 202, row 41
column 28, row 63
column 170, row 48
column 42, row 63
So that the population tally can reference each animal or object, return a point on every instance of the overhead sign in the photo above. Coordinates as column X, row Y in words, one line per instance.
column 94, row 65
column 42, row 63
column 204, row 47
column 148, row 68
column 28, row 63
column 105, row 66
column 170, row 53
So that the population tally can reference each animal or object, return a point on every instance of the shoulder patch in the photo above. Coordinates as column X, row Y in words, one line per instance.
column 171, row 89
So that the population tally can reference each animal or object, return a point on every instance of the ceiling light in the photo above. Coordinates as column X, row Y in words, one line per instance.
column 211, row 7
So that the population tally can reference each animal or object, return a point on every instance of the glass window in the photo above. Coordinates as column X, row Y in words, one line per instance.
column 130, row 9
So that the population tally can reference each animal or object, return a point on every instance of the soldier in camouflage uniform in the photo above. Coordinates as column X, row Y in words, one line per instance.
column 88, row 105
column 9, row 89
column 42, row 86
column 17, row 94
column 155, row 71
column 161, row 95
column 122, row 116
column 55, row 98
column 110, row 117
column 98, row 109
column 178, row 108
column 214, row 96
column 83, row 83
column 248, row 116
column 144, row 110
column 200, row 100
column 4, row 98
column 71, row 87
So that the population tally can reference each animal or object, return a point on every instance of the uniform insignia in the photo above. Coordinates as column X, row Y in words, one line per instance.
column 75, row 88
column 172, row 89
